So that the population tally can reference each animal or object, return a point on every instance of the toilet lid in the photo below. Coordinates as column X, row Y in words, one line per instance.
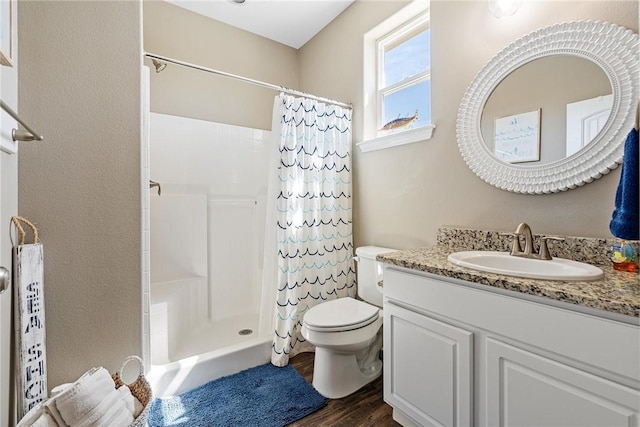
column 340, row 315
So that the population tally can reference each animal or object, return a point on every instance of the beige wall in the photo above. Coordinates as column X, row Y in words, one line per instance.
column 79, row 85
column 180, row 34
column 403, row 194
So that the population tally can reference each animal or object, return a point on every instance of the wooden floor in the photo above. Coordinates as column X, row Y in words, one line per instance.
column 362, row 408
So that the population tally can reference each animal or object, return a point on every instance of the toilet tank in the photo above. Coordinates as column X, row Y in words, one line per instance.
column 369, row 273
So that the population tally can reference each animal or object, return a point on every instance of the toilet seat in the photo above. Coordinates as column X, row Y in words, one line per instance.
column 342, row 314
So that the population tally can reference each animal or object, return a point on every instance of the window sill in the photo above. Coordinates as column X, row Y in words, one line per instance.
column 400, row 138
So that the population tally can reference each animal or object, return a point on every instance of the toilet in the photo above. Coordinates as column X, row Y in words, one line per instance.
column 347, row 332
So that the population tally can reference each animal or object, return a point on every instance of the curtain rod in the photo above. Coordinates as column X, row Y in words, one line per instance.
column 17, row 134
column 246, row 79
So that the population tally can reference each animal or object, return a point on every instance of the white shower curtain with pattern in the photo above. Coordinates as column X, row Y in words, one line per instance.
column 312, row 210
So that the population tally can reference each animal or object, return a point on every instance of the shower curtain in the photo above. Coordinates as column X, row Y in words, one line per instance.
column 310, row 192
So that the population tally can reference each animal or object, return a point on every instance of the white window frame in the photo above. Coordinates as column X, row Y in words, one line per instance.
column 401, row 26
column 402, row 34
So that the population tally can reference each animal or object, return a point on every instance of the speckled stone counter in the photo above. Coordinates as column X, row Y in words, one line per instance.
column 617, row 292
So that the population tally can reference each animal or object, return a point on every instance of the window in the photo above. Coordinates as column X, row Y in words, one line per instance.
column 397, row 79
column 403, row 78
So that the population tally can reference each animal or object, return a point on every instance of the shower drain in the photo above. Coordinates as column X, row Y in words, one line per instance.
column 245, row 331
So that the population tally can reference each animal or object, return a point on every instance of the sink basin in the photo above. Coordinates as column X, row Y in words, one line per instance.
column 503, row 263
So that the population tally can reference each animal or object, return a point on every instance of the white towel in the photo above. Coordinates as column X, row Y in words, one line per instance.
column 138, row 407
column 116, row 414
column 50, row 405
column 62, row 387
column 125, row 394
column 133, row 404
column 37, row 416
column 59, row 389
column 121, row 419
column 75, row 402
column 52, row 410
column 108, row 403
column 44, row 420
column 92, row 401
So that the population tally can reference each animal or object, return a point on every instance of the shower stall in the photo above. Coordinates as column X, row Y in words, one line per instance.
column 207, row 214
column 209, row 291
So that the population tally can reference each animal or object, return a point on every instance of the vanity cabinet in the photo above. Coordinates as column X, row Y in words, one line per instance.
column 525, row 388
column 436, row 389
column 459, row 354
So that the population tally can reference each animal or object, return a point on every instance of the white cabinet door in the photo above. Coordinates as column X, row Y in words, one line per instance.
column 526, row 389
column 428, row 368
column 8, row 207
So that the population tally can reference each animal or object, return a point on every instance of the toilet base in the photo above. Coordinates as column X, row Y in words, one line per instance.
column 337, row 375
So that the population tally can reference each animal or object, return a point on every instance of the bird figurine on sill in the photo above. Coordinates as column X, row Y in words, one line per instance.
column 401, row 122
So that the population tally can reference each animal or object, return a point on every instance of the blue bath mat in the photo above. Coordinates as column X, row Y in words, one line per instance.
column 265, row 396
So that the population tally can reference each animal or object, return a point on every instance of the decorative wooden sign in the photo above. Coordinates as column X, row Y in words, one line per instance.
column 29, row 325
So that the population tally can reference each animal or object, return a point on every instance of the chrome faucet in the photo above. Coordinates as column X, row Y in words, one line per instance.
column 523, row 229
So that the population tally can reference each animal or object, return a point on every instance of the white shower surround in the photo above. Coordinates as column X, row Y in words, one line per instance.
column 206, row 237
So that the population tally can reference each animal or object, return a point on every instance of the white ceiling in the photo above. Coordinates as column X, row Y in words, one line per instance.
column 290, row 22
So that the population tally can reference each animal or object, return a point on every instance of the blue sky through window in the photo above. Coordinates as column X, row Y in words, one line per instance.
column 405, row 102
column 409, row 58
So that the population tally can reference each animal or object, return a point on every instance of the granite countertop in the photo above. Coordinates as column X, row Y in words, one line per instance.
column 617, row 292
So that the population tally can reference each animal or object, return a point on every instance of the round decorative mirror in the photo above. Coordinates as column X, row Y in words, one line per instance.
column 552, row 110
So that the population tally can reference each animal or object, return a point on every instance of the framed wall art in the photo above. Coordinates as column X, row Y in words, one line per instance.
column 517, row 137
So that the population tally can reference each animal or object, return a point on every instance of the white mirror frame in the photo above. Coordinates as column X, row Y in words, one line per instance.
column 614, row 49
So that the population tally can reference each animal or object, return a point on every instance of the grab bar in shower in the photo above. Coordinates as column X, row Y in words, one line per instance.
column 18, row 134
column 155, row 184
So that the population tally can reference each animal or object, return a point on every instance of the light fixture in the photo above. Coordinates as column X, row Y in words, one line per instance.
column 502, row 8
column 236, row 1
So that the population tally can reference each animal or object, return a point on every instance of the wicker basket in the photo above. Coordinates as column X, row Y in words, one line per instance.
column 140, row 389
